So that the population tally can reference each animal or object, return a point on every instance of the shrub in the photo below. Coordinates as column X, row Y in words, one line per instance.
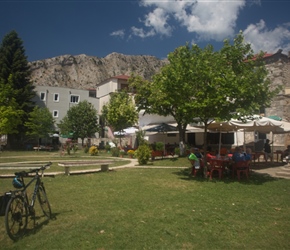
column 143, row 154
column 130, row 152
column 86, row 149
column 75, row 148
column 93, row 150
column 159, row 146
column 107, row 147
column 177, row 151
column 115, row 152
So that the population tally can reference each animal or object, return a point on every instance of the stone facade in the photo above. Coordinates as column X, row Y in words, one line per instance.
column 278, row 66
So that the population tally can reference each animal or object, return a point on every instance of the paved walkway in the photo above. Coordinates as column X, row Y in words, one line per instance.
column 278, row 170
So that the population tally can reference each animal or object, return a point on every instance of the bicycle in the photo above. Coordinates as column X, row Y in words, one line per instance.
column 19, row 207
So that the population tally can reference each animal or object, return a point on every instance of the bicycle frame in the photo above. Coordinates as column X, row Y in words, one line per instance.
column 23, row 192
column 20, row 207
column 37, row 179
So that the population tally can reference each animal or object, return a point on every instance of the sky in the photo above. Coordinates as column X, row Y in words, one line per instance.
column 146, row 27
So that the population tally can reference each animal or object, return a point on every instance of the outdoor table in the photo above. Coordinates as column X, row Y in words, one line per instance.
column 256, row 155
column 279, row 155
column 219, row 164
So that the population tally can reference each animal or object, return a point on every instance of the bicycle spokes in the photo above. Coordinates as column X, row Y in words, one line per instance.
column 16, row 217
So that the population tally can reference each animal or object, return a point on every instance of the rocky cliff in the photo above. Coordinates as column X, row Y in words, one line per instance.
column 84, row 71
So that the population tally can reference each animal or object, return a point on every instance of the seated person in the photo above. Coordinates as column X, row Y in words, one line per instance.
column 223, row 152
column 285, row 153
column 194, row 160
column 199, row 155
column 238, row 155
column 209, row 156
column 192, row 157
column 248, row 154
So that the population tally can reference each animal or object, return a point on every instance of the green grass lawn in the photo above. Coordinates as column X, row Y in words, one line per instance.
column 159, row 209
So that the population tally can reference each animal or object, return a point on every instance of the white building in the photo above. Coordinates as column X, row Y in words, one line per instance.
column 58, row 100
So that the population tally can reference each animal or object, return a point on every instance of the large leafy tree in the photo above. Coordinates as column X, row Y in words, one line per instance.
column 10, row 113
column 206, row 84
column 40, row 123
column 15, row 72
column 120, row 112
column 81, row 120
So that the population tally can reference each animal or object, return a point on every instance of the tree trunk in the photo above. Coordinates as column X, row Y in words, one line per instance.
column 205, row 149
column 181, row 129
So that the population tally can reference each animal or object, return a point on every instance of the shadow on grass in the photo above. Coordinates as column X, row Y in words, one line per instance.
column 254, row 178
column 36, row 224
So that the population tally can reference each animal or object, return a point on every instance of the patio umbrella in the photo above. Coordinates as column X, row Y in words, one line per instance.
column 126, row 131
column 162, row 128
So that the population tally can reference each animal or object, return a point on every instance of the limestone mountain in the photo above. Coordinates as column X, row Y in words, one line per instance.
column 82, row 71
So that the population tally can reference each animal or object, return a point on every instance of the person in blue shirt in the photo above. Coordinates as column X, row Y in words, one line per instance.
column 248, row 154
column 238, row 155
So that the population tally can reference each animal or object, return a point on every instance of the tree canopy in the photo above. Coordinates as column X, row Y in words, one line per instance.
column 120, row 111
column 81, row 120
column 10, row 113
column 207, row 85
column 40, row 123
column 15, row 72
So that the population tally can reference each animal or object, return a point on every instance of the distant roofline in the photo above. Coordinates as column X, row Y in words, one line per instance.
column 118, row 77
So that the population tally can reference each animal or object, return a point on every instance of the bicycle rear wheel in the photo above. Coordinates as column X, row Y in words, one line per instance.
column 16, row 217
column 43, row 201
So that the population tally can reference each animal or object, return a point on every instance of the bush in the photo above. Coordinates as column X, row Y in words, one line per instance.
column 143, row 154
column 86, row 149
column 115, row 152
column 130, row 152
column 159, row 146
column 107, row 147
column 93, row 150
column 177, row 151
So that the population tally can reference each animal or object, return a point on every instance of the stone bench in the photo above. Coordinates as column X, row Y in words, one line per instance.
column 48, row 148
column 67, row 165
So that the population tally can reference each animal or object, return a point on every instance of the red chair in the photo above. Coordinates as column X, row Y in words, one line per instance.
column 194, row 170
column 242, row 167
column 216, row 165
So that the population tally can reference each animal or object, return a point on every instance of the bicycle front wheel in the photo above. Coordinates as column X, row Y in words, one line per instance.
column 16, row 217
column 43, row 201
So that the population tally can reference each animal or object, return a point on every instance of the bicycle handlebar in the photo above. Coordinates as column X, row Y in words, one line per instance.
column 24, row 173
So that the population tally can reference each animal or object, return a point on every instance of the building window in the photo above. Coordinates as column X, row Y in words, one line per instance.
column 56, row 97
column 55, row 113
column 124, row 86
column 42, row 96
column 74, row 98
column 92, row 93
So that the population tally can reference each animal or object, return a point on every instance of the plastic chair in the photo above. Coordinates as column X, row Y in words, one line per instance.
column 216, row 165
column 195, row 169
column 242, row 167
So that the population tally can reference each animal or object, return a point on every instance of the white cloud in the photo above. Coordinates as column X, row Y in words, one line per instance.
column 141, row 33
column 215, row 19
column 119, row 33
column 262, row 38
column 157, row 21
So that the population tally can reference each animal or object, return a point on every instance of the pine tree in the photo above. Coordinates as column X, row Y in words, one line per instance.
column 15, row 71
